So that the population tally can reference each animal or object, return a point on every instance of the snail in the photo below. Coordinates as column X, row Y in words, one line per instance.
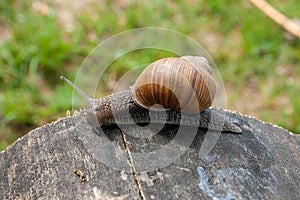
column 183, row 86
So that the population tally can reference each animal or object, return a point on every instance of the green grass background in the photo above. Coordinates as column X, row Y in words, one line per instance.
column 259, row 65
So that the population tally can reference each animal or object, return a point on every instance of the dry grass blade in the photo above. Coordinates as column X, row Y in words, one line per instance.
column 277, row 17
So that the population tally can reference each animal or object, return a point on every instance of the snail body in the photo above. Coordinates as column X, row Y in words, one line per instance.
column 159, row 84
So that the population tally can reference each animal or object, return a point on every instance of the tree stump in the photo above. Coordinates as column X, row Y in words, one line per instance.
column 69, row 159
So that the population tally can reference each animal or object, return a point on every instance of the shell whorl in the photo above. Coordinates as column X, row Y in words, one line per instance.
column 182, row 84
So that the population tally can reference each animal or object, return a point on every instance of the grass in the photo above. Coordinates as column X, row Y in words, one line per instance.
column 258, row 65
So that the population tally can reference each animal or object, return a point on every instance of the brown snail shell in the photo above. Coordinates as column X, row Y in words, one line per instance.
column 173, row 82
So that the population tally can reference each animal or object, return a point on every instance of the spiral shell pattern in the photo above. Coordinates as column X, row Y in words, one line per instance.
column 182, row 84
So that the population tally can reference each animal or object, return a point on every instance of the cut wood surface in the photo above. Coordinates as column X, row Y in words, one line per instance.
column 69, row 159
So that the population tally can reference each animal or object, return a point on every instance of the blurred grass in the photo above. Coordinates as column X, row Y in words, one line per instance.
column 258, row 65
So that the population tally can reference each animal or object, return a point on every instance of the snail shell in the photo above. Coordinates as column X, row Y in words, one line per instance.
column 173, row 82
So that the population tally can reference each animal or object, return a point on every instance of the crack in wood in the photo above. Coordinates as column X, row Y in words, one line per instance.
column 130, row 162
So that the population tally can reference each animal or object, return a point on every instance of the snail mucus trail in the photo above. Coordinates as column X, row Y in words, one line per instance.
column 132, row 105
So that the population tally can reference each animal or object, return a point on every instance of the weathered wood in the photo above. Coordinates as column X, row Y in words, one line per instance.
column 261, row 163
column 42, row 165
